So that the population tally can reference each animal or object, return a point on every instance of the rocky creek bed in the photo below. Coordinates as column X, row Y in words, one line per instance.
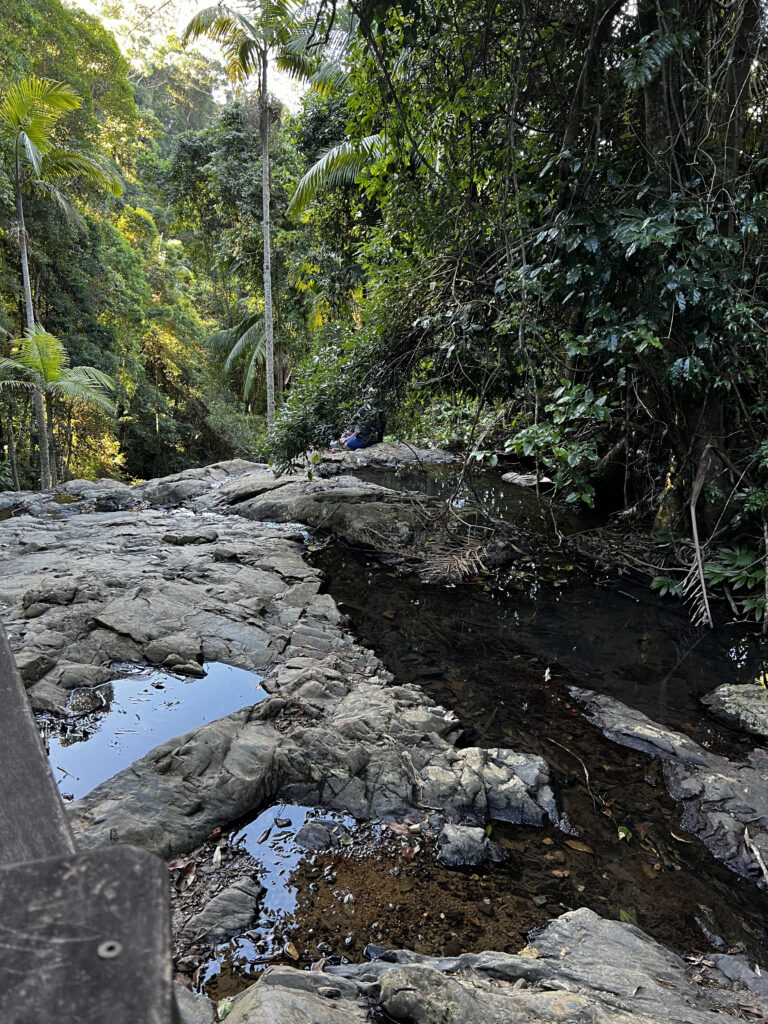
column 207, row 566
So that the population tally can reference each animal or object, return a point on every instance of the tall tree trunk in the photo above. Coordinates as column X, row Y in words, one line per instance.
column 37, row 395
column 10, row 443
column 12, row 454
column 51, row 443
column 269, row 334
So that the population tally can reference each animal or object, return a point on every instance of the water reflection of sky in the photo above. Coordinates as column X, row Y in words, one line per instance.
column 138, row 713
column 274, row 847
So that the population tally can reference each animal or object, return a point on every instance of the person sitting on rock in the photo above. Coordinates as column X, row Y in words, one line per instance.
column 366, row 427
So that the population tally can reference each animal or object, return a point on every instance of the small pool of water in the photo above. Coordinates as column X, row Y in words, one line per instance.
column 135, row 713
column 271, row 840
column 377, row 883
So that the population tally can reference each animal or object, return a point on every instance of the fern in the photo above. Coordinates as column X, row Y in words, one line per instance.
column 645, row 59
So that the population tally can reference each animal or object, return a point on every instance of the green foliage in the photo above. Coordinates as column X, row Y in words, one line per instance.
column 340, row 165
column 646, row 57
column 122, row 296
column 42, row 358
column 742, row 570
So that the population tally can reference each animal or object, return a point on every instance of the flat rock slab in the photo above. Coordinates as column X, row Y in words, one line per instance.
column 230, row 911
column 725, row 803
column 358, row 513
column 578, row 968
column 104, row 587
column 744, row 706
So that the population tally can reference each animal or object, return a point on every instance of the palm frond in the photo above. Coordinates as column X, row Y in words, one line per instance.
column 32, row 106
column 11, row 364
column 41, row 354
column 254, row 365
column 63, row 164
column 78, row 387
column 252, row 342
column 296, row 65
column 32, row 152
column 341, row 165
column 238, row 37
column 64, row 203
column 330, row 77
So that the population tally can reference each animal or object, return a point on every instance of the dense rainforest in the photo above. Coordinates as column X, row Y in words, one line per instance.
column 531, row 231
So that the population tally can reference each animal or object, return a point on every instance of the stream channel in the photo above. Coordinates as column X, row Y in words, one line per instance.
column 501, row 652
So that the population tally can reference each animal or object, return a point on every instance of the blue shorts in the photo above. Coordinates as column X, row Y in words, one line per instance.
column 353, row 443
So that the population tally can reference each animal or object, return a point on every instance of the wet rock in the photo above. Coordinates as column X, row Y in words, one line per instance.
column 45, row 696
column 296, row 997
column 578, row 969
column 725, row 803
column 742, row 705
column 231, row 911
column 191, row 668
column 320, row 835
column 71, row 675
column 524, row 479
column 461, row 845
column 193, row 1009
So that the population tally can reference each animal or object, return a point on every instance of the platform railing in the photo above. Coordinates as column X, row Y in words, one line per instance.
column 84, row 935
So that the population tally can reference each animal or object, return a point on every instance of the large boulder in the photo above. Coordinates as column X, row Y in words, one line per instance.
column 743, row 705
column 178, row 488
column 386, row 455
column 578, row 969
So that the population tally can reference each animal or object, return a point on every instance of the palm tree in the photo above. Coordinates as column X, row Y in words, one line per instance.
column 43, row 364
column 29, row 113
column 241, row 346
column 249, row 43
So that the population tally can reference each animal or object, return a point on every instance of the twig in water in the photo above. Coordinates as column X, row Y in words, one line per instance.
column 583, row 767
column 748, row 842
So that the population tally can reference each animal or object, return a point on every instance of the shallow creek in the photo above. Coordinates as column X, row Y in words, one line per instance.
column 503, row 662
column 501, row 653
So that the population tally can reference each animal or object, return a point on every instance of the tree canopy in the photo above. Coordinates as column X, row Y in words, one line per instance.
column 537, row 232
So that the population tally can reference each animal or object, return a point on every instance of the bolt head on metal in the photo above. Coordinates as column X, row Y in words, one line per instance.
column 110, row 949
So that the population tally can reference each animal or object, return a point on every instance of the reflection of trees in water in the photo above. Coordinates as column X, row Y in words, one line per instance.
column 90, row 705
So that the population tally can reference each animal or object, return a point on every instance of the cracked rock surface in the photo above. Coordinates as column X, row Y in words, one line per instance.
column 387, row 455
column 725, row 803
column 578, row 968
column 331, row 735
